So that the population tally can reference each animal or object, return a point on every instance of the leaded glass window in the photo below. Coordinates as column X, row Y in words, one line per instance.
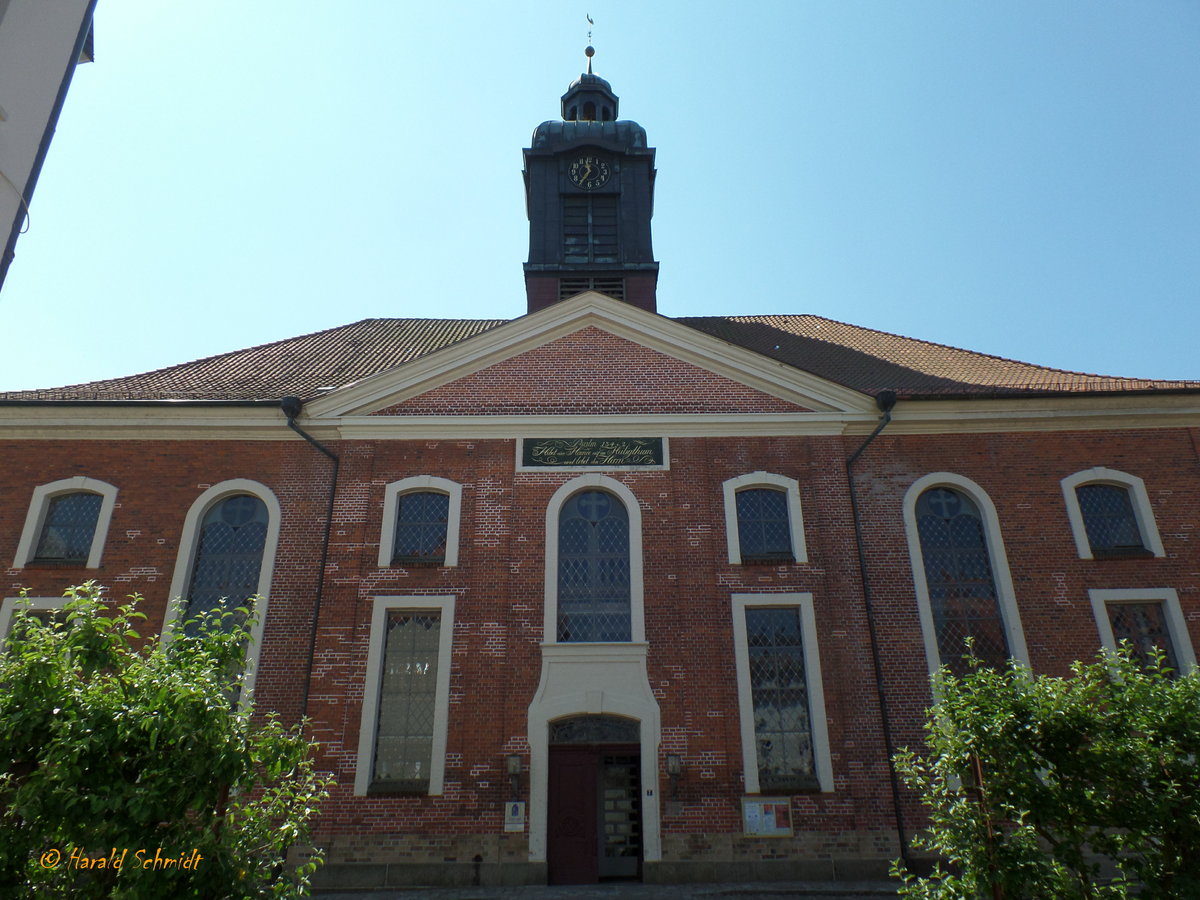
column 228, row 557
column 764, row 533
column 421, row 522
column 1112, row 527
column 779, row 692
column 958, row 573
column 593, row 569
column 407, row 702
column 1144, row 626
column 69, row 528
column 595, row 730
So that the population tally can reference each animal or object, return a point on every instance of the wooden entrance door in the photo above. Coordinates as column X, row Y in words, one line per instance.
column 594, row 828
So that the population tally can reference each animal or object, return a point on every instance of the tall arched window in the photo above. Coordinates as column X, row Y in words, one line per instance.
column 593, row 569
column 226, row 550
column 228, row 556
column 958, row 574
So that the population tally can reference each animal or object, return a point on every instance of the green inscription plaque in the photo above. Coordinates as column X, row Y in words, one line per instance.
column 555, row 452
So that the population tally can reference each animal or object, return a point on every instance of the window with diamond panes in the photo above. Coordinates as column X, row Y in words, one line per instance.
column 407, row 702
column 421, row 521
column 779, row 691
column 228, row 557
column 1144, row 626
column 764, row 533
column 593, row 569
column 1112, row 527
column 958, row 573
column 70, row 525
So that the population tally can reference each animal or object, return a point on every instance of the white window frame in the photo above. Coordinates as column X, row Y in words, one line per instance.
column 10, row 605
column 444, row 605
column 39, row 506
column 790, row 488
column 1143, row 512
column 189, row 543
column 822, row 759
column 1181, row 641
column 420, row 484
column 1006, row 597
column 594, row 481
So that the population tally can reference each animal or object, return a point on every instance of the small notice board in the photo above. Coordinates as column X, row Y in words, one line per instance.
column 767, row 816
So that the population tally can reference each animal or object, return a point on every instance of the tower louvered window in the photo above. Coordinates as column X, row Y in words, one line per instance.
column 958, row 572
column 613, row 287
column 589, row 228
column 593, row 569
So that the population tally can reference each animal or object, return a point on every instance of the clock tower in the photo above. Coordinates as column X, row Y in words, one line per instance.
column 589, row 195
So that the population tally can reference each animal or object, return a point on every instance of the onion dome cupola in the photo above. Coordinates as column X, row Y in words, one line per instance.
column 589, row 192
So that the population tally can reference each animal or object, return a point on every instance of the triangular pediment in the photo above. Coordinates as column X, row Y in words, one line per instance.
column 590, row 355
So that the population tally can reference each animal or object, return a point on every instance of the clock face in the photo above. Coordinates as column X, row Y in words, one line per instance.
column 589, row 172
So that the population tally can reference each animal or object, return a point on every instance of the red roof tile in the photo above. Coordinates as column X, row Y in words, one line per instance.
column 859, row 358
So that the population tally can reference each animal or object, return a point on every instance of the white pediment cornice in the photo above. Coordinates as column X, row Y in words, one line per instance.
column 585, row 310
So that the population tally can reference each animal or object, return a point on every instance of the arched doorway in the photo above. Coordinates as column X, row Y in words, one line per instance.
column 594, row 827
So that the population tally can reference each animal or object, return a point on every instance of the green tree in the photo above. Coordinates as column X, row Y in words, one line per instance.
column 111, row 745
column 1043, row 787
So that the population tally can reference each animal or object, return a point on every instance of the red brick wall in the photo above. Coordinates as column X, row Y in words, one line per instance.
column 591, row 372
column 688, row 584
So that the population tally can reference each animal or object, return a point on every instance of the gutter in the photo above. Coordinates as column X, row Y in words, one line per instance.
column 885, row 400
column 85, row 27
column 105, row 404
column 291, row 407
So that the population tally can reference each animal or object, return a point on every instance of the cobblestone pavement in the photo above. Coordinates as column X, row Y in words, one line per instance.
column 751, row 891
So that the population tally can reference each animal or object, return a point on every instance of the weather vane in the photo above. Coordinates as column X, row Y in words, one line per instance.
column 590, row 51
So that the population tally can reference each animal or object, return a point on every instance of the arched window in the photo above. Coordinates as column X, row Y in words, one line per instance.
column 229, row 556
column 961, row 573
column 67, row 523
column 763, row 530
column 763, row 523
column 589, row 111
column 593, row 569
column 421, row 516
column 226, row 555
column 1110, row 515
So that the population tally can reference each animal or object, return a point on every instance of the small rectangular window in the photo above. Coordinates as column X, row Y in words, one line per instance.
column 1144, row 627
column 1149, row 619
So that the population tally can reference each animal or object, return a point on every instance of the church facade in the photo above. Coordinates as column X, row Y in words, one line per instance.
column 600, row 594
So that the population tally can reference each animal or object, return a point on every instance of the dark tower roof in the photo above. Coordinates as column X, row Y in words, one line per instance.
column 589, row 99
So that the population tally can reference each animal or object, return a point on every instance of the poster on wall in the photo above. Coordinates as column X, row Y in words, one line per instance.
column 514, row 816
column 767, row 816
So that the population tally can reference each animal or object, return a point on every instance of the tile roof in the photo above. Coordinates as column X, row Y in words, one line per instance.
column 859, row 358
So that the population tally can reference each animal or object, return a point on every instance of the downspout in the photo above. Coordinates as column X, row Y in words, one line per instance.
column 885, row 400
column 291, row 408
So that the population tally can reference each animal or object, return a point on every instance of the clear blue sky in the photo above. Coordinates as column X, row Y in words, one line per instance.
column 1019, row 178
